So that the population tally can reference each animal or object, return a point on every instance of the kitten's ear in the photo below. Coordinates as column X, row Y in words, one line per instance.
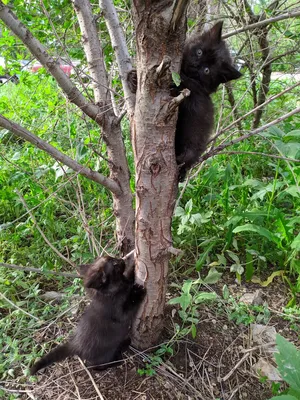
column 229, row 73
column 95, row 279
column 216, row 32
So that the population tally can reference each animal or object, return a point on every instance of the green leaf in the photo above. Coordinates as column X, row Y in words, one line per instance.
column 296, row 242
column 194, row 331
column 240, row 269
column 284, row 397
column 187, row 286
column 189, row 205
column 225, row 292
column 233, row 256
column 199, row 219
column 176, row 78
column 288, row 362
column 201, row 260
column 269, row 280
column 252, row 183
column 295, row 393
column 275, row 132
column 259, row 230
column 212, row 277
column 205, row 296
column 293, row 190
column 179, row 212
column 292, row 136
column 184, row 300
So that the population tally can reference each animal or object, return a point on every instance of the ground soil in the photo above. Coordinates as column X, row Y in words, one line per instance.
column 216, row 364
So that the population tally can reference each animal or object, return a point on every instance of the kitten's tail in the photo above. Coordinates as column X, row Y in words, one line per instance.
column 59, row 353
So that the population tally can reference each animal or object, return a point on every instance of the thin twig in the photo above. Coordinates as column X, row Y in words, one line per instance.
column 18, row 308
column 42, row 233
column 248, row 135
column 269, row 100
column 257, row 153
column 38, row 271
column 263, row 23
column 245, row 356
column 92, row 379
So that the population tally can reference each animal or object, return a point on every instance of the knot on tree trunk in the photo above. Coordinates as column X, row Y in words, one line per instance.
column 155, row 169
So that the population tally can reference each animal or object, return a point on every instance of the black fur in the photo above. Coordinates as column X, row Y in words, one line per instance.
column 206, row 63
column 103, row 330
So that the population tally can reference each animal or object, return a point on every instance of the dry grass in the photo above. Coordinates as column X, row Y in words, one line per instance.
column 217, row 364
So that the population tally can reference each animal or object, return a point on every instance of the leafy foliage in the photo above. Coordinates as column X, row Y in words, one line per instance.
column 240, row 215
column 288, row 363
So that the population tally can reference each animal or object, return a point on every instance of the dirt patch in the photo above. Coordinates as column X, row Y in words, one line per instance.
column 216, row 364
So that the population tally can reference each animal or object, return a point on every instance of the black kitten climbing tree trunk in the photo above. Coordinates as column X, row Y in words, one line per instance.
column 160, row 33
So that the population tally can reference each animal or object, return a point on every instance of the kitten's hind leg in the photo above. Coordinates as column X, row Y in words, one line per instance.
column 58, row 354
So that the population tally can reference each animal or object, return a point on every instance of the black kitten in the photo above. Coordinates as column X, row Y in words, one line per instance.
column 103, row 330
column 206, row 63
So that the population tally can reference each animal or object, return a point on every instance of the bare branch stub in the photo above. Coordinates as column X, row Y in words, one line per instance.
column 163, row 68
column 175, row 102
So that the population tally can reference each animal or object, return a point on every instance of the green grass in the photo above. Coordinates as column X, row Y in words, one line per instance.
column 240, row 215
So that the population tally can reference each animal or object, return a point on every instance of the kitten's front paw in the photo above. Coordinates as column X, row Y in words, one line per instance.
column 138, row 293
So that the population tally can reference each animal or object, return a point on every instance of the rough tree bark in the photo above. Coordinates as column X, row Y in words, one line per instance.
column 159, row 46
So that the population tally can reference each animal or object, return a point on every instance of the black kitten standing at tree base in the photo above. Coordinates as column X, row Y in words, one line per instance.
column 103, row 331
column 206, row 63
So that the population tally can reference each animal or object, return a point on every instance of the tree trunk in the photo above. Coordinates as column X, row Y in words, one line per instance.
column 266, row 74
column 153, row 132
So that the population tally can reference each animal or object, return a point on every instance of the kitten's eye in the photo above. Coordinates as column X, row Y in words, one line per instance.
column 199, row 52
column 206, row 71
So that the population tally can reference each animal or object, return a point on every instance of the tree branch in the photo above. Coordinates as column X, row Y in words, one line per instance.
column 179, row 9
column 292, row 14
column 118, row 42
column 175, row 102
column 248, row 135
column 17, row 307
column 257, row 153
column 111, row 131
column 269, row 100
column 93, row 50
column 57, row 155
column 40, row 52
column 67, row 260
column 38, row 271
